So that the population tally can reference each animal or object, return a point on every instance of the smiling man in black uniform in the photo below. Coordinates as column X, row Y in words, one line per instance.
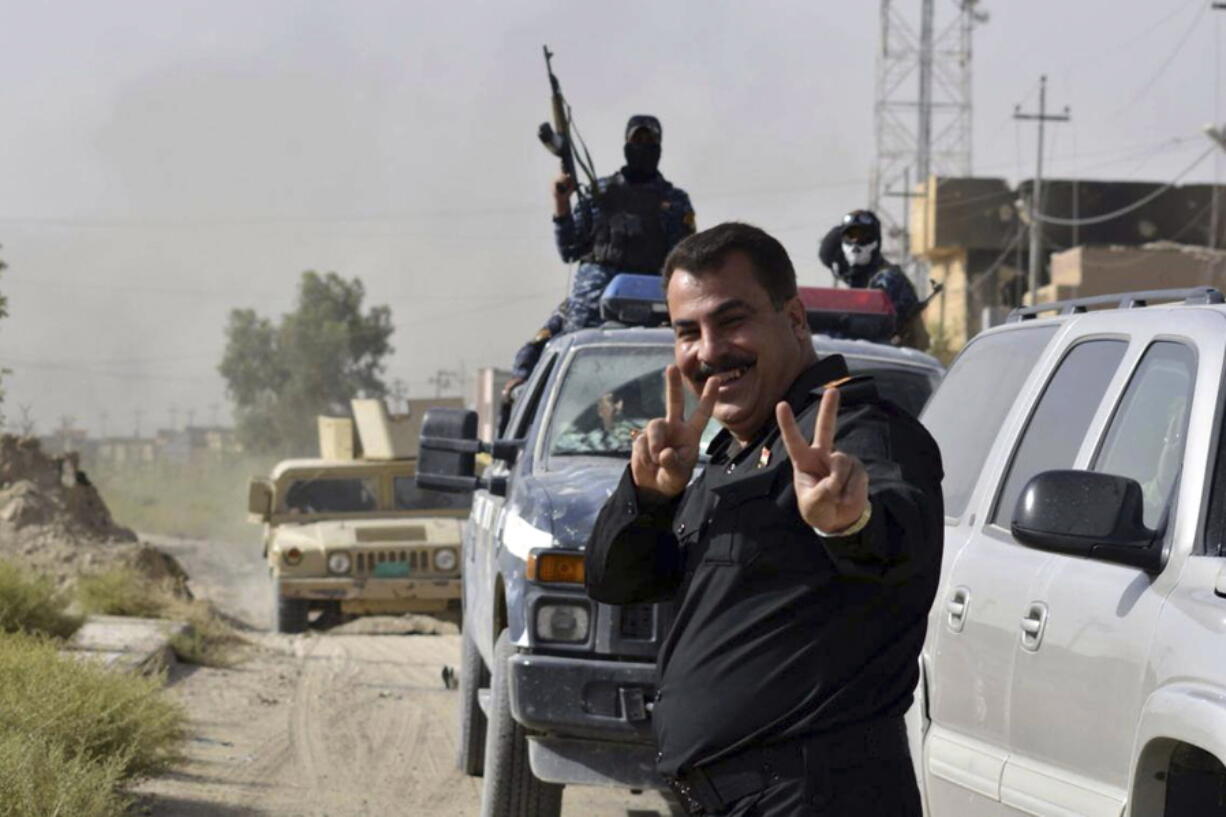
column 803, row 566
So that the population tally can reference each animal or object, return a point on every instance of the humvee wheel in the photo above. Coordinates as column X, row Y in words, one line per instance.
column 470, row 755
column 511, row 789
column 292, row 615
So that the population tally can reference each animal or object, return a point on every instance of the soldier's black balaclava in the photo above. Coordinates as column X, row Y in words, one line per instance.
column 642, row 154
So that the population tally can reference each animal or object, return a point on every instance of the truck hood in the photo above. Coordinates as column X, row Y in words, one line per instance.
column 559, row 507
column 426, row 530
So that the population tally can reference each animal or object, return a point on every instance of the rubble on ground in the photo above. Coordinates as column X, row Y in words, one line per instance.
column 53, row 519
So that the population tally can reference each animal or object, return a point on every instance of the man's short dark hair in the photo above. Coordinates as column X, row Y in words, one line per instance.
column 708, row 250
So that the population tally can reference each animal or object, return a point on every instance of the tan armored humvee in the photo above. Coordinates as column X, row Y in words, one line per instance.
column 350, row 534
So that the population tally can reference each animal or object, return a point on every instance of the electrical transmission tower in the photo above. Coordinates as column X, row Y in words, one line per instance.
column 923, row 102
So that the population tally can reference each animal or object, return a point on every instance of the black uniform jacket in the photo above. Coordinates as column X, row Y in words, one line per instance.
column 781, row 632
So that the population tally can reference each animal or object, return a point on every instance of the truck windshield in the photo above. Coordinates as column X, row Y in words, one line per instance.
column 607, row 393
column 332, row 495
column 411, row 498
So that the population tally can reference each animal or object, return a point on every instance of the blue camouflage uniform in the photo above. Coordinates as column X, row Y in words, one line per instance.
column 530, row 352
column 879, row 274
column 579, row 238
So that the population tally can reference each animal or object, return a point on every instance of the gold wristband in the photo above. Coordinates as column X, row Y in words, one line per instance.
column 852, row 529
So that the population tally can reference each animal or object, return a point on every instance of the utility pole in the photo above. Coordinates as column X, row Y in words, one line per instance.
column 1036, row 191
column 1214, row 205
column 1217, row 134
column 907, row 194
column 441, row 380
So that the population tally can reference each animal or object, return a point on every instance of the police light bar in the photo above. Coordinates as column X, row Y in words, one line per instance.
column 866, row 314
column 637, row 300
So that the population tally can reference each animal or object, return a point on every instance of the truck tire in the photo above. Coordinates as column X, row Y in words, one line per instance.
column 511, row 789
column 470, row 757
column 292, row 615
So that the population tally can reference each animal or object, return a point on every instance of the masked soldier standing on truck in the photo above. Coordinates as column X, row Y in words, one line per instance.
column 852, row 251
column 629, row 224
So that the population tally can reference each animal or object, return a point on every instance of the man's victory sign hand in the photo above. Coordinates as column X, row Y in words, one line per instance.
column 831, row 487
column 666, row 452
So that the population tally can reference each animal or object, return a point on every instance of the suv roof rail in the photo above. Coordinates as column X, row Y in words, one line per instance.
column 1122, row 300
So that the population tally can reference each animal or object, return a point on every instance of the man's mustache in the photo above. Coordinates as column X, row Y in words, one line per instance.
column 728, row 364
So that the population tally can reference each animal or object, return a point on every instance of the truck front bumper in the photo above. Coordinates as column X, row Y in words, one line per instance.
column 591, row 719
column 383, row 593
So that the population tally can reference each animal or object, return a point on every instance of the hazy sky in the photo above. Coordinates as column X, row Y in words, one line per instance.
column 164, row 162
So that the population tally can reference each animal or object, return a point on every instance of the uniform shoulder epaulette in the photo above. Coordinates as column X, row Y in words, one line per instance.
column 852, row 389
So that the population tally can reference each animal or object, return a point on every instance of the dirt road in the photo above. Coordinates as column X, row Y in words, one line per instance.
column 325, row 725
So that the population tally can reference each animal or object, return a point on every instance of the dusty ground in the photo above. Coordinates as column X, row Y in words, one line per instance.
column 324, row 725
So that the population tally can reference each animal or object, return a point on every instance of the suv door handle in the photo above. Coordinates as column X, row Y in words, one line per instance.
column 956, row 608
column 1033, row 625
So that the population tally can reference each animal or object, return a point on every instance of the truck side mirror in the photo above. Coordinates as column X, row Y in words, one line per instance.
column 449, row 447
column 259, row 500
column 1086, row 513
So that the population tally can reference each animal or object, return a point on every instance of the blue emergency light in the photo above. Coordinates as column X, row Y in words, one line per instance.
column 636, row 300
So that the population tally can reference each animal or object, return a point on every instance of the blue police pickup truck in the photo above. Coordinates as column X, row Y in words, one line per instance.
column 557, row 689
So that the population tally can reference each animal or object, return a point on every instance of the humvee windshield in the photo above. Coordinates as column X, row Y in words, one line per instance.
column 411, row 498
column 352, row 495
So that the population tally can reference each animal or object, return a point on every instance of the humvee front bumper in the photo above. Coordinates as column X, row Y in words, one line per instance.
column 369, row 590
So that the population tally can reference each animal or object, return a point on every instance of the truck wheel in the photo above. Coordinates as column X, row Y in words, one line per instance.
column 470, row 758
column 292, row 615
column 511, row 789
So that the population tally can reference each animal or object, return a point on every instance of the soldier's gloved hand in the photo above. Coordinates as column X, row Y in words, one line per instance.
column 665, row 453
column 563, row 186
column 510, row 387
column 831, row 487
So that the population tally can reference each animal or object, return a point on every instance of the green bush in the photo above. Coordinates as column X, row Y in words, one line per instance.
column 125, row 591
column 120, row 591
column 30, row 603
column 91, row 713
column 41, row 779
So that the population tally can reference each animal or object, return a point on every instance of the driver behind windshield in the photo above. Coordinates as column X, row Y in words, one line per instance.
column 614, row 429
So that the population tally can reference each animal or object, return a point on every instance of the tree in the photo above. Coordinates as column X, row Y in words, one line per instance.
column 317, row 358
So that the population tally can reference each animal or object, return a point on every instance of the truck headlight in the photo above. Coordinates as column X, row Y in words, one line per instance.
column 562, row 622
column 292, row 557
column 445, row 560
column 339, row 562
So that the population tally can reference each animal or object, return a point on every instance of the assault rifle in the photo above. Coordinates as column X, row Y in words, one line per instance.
column 557, row 137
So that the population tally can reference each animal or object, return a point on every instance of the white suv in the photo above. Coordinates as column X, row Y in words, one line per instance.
column 1076, row 654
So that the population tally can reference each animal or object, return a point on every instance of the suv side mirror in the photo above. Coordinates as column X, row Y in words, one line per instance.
column 449, row 448
column 259, row 500
column 448, row 457
column 1086, row 513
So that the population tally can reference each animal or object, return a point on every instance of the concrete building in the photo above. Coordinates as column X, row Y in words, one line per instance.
column 972, row 233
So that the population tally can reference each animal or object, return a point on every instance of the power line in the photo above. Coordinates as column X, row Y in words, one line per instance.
column 1036, row 194
column 1153, row 79
column 1141, row 202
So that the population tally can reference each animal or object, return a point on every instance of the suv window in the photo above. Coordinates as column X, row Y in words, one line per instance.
column 964, row 417
column 1056, row 428
column 1145, row 439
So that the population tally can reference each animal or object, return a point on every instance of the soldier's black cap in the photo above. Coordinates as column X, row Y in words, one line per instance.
column 642, row 120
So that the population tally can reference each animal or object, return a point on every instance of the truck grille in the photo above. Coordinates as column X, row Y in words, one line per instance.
column 392, row 562
column 638, row 621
